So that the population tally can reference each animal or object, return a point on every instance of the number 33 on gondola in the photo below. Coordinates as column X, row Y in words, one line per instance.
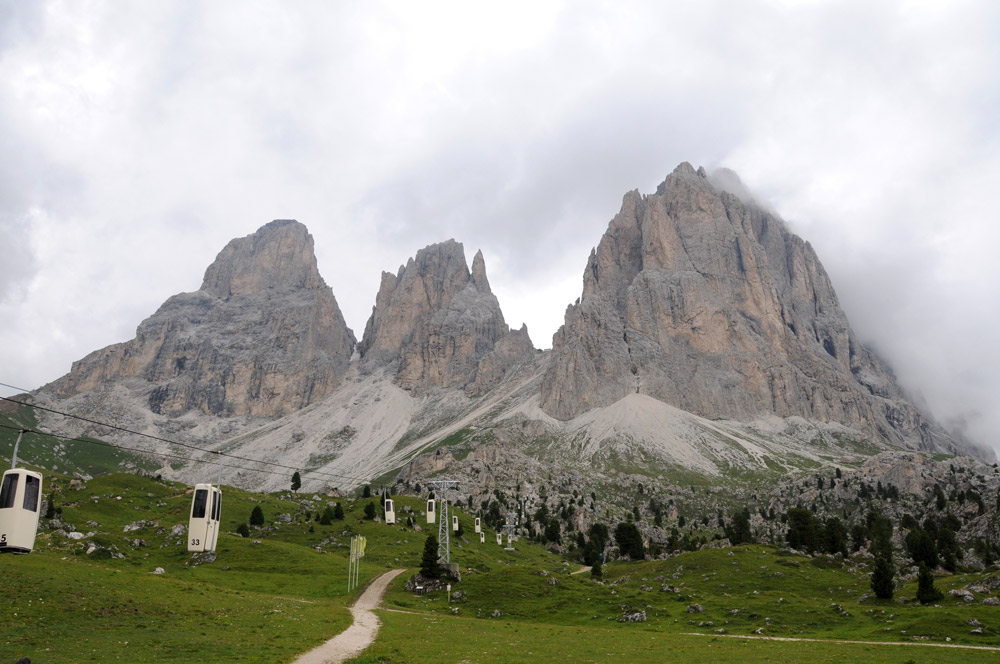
column 203, row 527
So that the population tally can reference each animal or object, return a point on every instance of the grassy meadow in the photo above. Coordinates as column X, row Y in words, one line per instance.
column 283, row 590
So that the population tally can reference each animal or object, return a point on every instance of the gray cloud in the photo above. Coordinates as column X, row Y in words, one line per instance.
column 147, row 136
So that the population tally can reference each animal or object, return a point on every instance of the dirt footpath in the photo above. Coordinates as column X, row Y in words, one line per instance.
column 358, row 636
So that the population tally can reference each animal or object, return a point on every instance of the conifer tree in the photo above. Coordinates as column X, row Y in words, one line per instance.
column 804, row 530
column 370, row 511
column 599, row 535
column 884, row 572
column 738, row 530
column 922, row 548
column 338, row 512
column 947, row 548
column 835, row 536
column 552, row 531
column 883, row 575
column 296, row 481
column 595, row 570
column 629, row 541
column 926, row 592
column 429, row 567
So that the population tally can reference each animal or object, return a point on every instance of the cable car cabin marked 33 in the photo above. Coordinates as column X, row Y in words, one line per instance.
column 20, row 499
column 390, row 512
column 206, row 509
column 430, row 511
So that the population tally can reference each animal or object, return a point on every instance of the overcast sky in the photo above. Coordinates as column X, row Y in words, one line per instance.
column 138, row 138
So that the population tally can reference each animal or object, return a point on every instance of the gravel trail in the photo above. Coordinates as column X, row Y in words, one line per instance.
column 358, row 636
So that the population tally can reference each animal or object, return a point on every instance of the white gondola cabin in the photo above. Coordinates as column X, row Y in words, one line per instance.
column 479, row 528
column 206, row 509
column 482, row 538
column 20, row 500
column 390, row 512
column 454, row 523
column 430, row 511
column 499, row 539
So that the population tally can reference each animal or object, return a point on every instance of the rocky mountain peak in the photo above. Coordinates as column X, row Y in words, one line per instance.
column 263, row 336
column 279, row 255
column 706, row 302
column 435, row 323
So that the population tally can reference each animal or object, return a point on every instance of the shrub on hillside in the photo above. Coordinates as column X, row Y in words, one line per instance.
column 328, row 516
column 257, row 516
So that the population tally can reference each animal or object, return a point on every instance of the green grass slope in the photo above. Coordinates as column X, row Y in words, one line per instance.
column 269, row 597
column 283, row 590
column 695, row 604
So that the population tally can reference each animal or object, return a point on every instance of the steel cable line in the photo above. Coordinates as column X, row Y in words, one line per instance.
column 94, row 409
column 36, row 393
column 78, row 439
column 87, row 407
column 313, row 471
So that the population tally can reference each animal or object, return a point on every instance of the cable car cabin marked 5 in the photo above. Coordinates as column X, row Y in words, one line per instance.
column 20, row 499
column 206, row 509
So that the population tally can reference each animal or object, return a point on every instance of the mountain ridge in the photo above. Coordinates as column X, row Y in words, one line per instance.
column 707, row 339
column 264, row 324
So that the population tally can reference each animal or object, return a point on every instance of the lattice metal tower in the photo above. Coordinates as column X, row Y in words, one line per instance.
column 509, row 529
column 441, row 488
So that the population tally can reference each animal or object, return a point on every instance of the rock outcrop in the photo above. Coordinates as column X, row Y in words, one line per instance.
column 436, row 324
column 706, row 301
column 263, row 336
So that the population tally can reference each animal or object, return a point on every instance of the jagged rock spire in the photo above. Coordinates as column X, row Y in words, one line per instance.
column 435, row 323
column 479, row 273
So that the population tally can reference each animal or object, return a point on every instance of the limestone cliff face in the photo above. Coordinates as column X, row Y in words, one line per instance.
column 435, row 323
column 708, row 303
column 263, row 336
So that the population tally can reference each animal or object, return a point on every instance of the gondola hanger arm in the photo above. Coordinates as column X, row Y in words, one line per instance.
column 17, row 444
